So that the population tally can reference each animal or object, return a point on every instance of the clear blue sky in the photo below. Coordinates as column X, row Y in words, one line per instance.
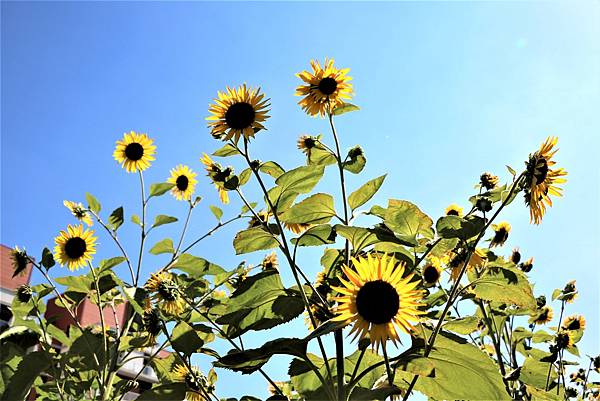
column 447, row 90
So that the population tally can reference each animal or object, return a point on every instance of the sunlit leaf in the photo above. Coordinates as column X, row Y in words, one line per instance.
column 93, row 203
column 253, row 239
column 162, row 219
column 160, row 188
column 344, row 108
column 365, row 192
column 163, row 246
column 316, row 209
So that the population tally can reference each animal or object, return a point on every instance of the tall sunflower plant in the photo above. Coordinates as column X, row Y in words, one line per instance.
column 411, row 305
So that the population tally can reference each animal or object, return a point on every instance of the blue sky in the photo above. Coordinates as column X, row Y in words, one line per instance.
column 447, row 90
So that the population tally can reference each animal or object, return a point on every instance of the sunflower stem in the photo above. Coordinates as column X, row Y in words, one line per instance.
column 104, row 391
column 143, row 235
column 390, row 376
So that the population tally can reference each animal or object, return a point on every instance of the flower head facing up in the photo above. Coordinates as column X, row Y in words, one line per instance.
column 541, row 180
column 74, row 247
column 501, row 231
column 454, row 210
column 324, row 89
column 184, row 181
column 165, row 292
column 378, row 299
column 79, row 212
column 238, row 112
column 134, row 152
column 196, row 383
column 575, row 322
column 488, row 181
column 218, row 175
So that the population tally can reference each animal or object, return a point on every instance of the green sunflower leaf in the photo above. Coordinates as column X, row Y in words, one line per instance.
column 456, row 227
column 315, row 236
column 300, row 180
column 344, row 108
column 135, row 219
column 226, row 150
column 162, row 219
column 197, row 267
column 116, row 219
column 504, row 285
column 365, row 192
column 253, row 239
column 93, row 203
column 29, row 369
column 407, row 221
column 166, row 392
column 355, row 161
column 245, row 176
column 106, row 264
column 465, row 325
column 250, row 360
column 272, row 168
column 316, row 209
column 163, row 246
column 47, row 258
column 184, row 339
column 160, row 188
column 216, row 211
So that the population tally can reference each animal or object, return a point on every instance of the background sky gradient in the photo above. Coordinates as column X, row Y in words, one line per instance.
column 447, row 90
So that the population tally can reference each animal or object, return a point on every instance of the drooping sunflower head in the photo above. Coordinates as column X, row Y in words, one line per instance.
column 19, row 260
column 596, row 363
column 195, row 382
column 297, row 228
column 165, row 292
column 184, row 180
column 78, row 211
column 431, row 273
column 501, row 231
column 134, row 152
column 488, row 181
column 569, row 293
column 74, row 247
column 377, row 297
column 238, row 112
column 218, row 175
column 456, row 262
column 324, row 89
column 270, row 262
column 453, row 210
column 151, row 322
column 542, row 315
column 515, row 256
column 575, row 322
column 306, row 143
column 541, row 180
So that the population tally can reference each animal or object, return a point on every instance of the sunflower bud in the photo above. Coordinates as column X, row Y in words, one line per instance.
column 24, row 293
column 483, row 204
column 516, row 256
column 255, row 164
column 596, row 363
column 488, row 181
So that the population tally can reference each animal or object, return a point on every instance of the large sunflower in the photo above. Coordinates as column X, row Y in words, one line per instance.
column 78, row 211
column 541, row 180
column 75, row 247
column 218, row 175
column 238, row 111
column 165, row 292
column 325, row 88
column 195, row 382
column 134, row 152
column 185, row 182
column 377, row 298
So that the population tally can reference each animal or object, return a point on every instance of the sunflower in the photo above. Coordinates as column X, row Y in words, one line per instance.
column 238, row 111
column 501, row 231
column 185, row 182
column 515, row 257
column 377, row 298
column 543, row 315
column 477, row 259
column 527, row 265
column 575, row 322
column 297, row 228
column 20, row 260
column 324, row 89
column 78, row 211
column 306, row 143
column 564, row 339
column 218, row 175
column 569, row 293
column 319, row 311
column 431, row 272
column 541, row 180
column 75, row 247
column 166, row 292
column 270, row 262
column 260, row 219
column 134, row 152
column 453, row 210
column 151, row 323
column 488, row 181
column 195, row 382
column 24, row 293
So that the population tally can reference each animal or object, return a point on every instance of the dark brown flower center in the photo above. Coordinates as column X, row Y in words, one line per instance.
column 327, row 86
column 182, row 182
column 167, row 290
column 574, row 324
column 134, row 151
column 377, row 302
column 500, row 236
column 452, row 212
column 541, row 170
column 192, row 382
column 430, row 274
column 240, row 115
column 75, row 247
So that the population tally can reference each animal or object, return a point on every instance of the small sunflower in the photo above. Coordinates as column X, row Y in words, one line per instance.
column 541, row 180
column 24, row 293
column 569, row 293
column 218, row 175
column 515, row 257
column 542, row 316
column 75, row 247
column 377, row 298
column 270, row 262
column 19, row 260
column 527, row 265
column 297, row 228
column 477, row 259
column 575, row 322
column 596, row 363
column 488, row 181
column 564, row 339
column 134, row 152
column 195, row 382
column 453, row 210
column 431, row 273
column 151, row 323
column 319, row 311
column 324, row 89
column 306, row 143
column 79, row 212
column 238, row 112
column 501, row 231
column 166, row 292
column 185, row 182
